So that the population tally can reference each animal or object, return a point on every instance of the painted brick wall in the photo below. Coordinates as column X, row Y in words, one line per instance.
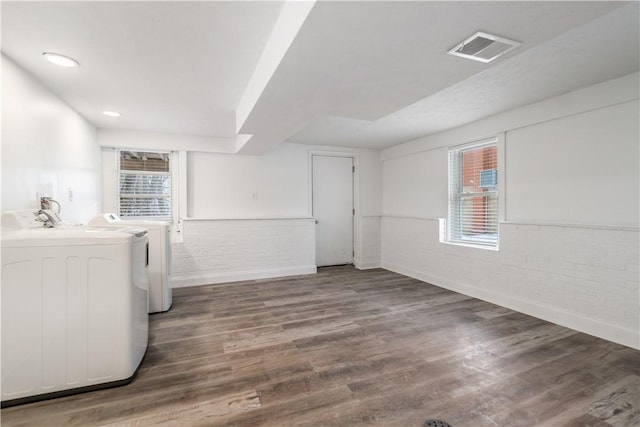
column 585, row 278
column 215, row 251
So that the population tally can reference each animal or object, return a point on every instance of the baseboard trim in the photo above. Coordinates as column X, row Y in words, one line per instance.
column 617, row 334
column 367, row 265
column 237, row 276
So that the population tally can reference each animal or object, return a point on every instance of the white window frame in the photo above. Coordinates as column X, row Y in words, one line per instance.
column 456, row 194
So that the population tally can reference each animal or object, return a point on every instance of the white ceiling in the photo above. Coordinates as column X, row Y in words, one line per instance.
column 360, row 74
column 599, row 50
column 178, row 67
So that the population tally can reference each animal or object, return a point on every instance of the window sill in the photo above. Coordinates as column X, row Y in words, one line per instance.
column 471, row 245
column 442, row 233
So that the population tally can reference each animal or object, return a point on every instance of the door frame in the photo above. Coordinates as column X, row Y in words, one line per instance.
column 355, row 189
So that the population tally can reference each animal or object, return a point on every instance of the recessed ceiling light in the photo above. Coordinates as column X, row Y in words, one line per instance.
column 111, row 113
column 61, row 60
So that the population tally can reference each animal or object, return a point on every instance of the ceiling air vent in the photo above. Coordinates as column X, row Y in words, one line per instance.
column 483, row 47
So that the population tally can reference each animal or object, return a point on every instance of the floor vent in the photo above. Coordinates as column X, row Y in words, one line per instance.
column 483, row 47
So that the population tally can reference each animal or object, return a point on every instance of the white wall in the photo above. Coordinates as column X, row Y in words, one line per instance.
column 236, row 195
column 274, row 184
column 47, row 149
column 240, row 186
column 579, row 169
column 569, row 242
column 418, row 175
column 145, row 140
column 277, row 185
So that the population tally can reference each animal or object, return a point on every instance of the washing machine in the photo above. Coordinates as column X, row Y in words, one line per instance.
column 74, row 308
column 160, row 294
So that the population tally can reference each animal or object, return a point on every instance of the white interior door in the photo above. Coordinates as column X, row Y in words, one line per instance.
column 333, row 209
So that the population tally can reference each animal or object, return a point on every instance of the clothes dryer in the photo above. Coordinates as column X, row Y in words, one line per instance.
column 160, row 294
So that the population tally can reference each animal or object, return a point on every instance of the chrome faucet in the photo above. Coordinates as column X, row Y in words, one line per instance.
column 45, row 203
column 49, row 221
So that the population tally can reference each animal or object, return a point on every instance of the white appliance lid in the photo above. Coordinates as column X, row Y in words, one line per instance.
column 64, row 237
column 136, row 231
column 114, row 220
column 105, row 219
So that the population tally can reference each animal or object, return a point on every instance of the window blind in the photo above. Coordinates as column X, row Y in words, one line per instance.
column 473, row 195
column 145, row 185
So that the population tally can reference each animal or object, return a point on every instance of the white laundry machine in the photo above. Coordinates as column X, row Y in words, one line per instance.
column 74, row 308
column 160, row 294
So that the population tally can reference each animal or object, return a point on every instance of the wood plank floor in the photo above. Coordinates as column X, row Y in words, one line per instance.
column 356, row 348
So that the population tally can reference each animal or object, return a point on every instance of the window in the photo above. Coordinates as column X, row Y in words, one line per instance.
column 473, row 194
column 145, row 185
